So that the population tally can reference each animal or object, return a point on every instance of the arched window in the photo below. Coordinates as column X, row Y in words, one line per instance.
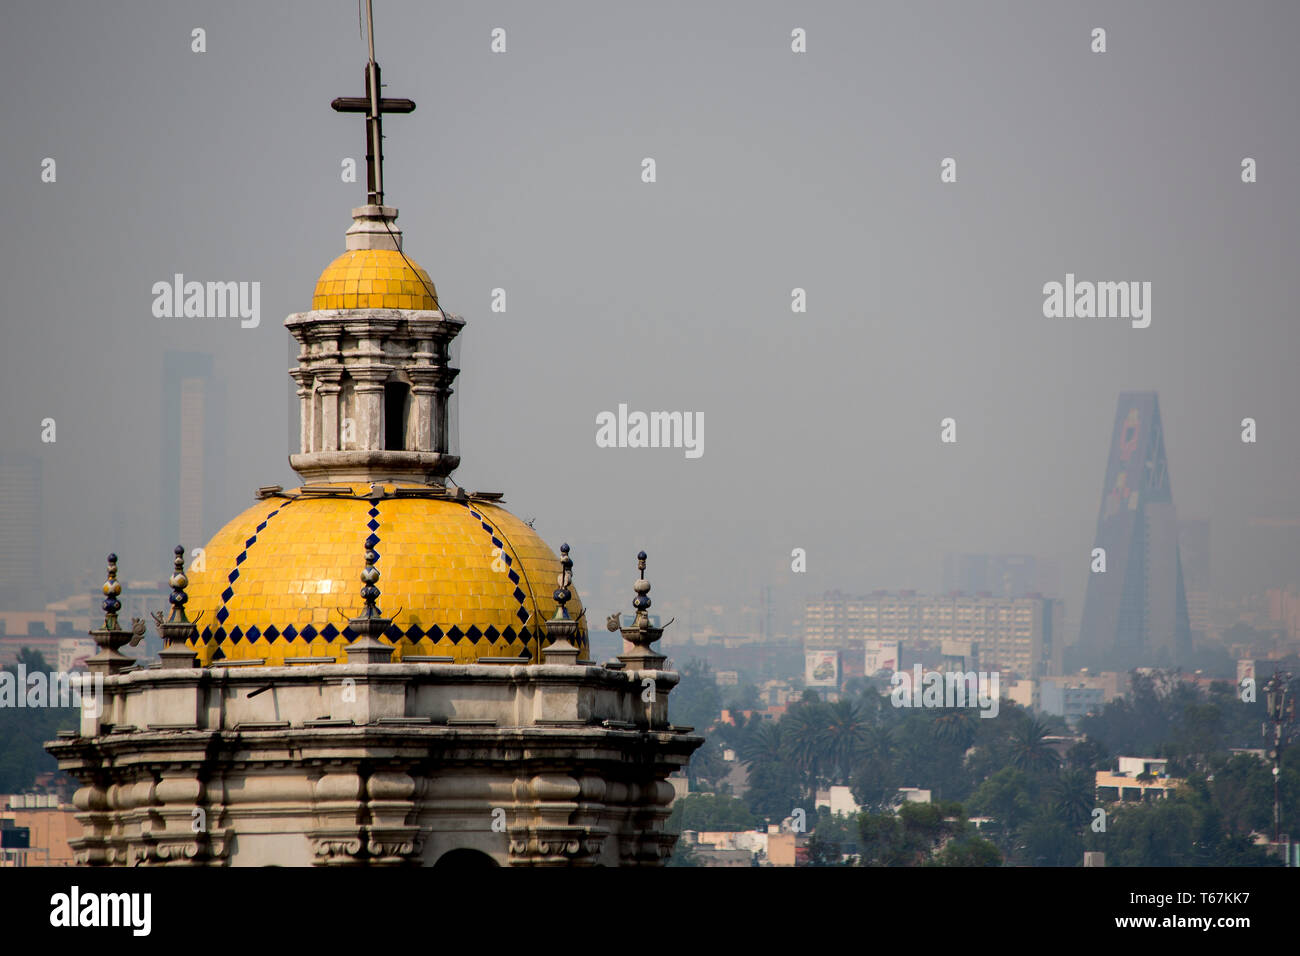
column 396, row 403
column 466, row 859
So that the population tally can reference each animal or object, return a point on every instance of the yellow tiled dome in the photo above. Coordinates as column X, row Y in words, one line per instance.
column 462, row 579
column 374, row 279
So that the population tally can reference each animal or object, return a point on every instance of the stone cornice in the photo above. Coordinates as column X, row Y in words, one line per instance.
column 376, row 709
column 440, row 674
column 417, row 323
column 371, row 465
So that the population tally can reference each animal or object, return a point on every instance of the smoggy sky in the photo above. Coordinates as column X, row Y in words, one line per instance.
column 775, row 170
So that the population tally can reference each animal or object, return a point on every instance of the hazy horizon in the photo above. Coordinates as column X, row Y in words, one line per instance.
column 775, row 170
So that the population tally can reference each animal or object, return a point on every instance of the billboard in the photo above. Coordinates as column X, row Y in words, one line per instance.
column 73, row 652
column 882, row 656
column 822, row 668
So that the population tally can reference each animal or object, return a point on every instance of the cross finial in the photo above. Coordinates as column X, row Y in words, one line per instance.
column 374, row 105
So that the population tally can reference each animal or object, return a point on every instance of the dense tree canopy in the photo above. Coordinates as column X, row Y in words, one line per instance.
column 24, row 730
column 1034, row 795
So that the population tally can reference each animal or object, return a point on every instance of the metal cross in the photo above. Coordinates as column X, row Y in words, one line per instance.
column 374, row 106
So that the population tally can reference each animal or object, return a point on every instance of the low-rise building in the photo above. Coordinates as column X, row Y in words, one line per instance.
column 706, row 855
column 1065, row 698
column 752, row 841
column 783, row 848
column 36, row 829
column 1076, row 695
column 1023, row 692
column 1137, row 779
column 839, row 800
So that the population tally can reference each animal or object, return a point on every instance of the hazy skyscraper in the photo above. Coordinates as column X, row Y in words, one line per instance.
column 21, row 533
column 1135, row 611
column 1194, row 554
column 1000, row 575
column 192, row 495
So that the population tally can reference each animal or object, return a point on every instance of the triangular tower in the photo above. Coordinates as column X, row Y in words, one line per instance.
column 1135, row 612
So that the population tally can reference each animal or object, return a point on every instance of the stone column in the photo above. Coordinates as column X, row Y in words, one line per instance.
column 303, row 377
column 327, row 384
column 94, row 847
column 390, row 839
column 543, row 834
column 337, row 837
column 424, row 391
column 370, row 405
column 442, row 378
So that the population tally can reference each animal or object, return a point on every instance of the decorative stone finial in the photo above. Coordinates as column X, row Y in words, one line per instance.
column 641, row 634
column 369, row 578
column 562, row 593
column 110, row 637
column 642, row 588
column 179, row 582
column 561, row 628
column 111, row 590
column 177, row 631
column 367, row 648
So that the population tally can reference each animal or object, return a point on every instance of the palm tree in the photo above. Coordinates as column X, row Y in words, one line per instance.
column 1029, row 748
column 802, row 730
column 763, row 745
column 914, row 758
column 1085, row 755
column 842, row 738
column 1073, row 797
column 880, row 742
column 956, row 727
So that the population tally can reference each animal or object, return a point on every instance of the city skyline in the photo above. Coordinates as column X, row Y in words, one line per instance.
column 915, row 267
column 893, row 340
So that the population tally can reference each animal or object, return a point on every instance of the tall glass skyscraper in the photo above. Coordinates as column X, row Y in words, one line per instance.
column 192, row 495
column 21, row 534
column 1135, row 612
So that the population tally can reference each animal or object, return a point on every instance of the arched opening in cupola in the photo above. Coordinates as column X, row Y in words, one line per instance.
column 397, row 405
column 464, row 858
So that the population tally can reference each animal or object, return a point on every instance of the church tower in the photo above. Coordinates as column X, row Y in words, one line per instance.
column 375, row 450
column 376, row 668
column 374, row 374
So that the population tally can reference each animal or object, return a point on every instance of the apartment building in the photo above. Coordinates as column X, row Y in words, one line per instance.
column 1016, row 635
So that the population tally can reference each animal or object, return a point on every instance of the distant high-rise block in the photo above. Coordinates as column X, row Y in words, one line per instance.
column 1016, row 635
column 1194, row 555
column 1135, row 612
column 192, row 495
column 21, row 533
column 998, row 575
